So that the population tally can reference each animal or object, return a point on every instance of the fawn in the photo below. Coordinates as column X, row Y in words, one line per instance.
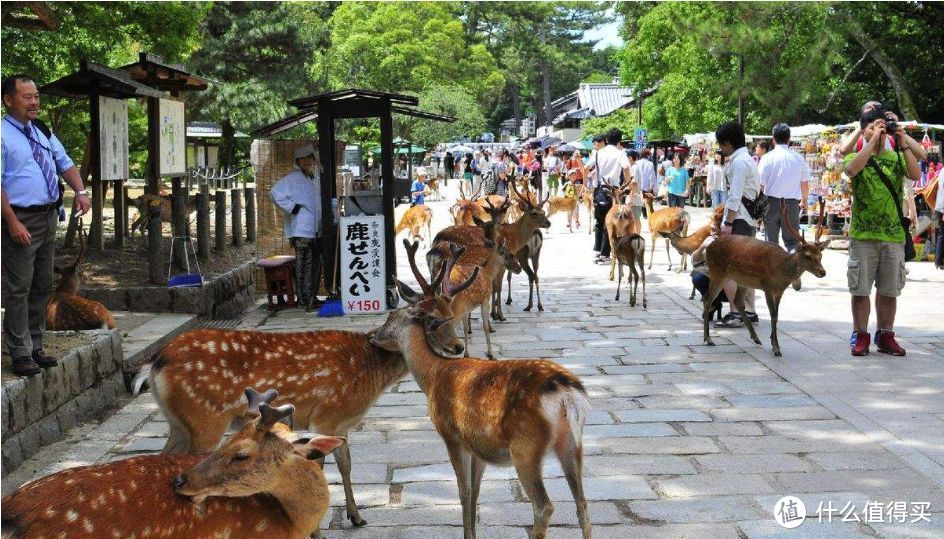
column 264, row 478
column 492, row 412
column 664, row 222
column 414, row 219
column 756, row 264
column 332, row 377
column 631, row 251
column 619, row 220
column 67, row 310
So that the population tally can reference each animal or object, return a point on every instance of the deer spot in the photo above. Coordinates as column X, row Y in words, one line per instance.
column 71, row 515
column 200, row 365
column 211, row 347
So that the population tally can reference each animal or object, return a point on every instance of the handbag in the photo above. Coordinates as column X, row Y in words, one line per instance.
column 757, row 207
column 910, row 252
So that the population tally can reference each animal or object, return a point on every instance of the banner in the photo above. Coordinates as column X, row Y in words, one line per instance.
column 113, row 137
column 363, row 270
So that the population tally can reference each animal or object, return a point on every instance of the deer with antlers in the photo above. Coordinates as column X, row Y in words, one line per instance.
column 756, row 264
column 665, row 222
column 523, row 237
column 414, row 219
column 465, row 208
column 67, row 310
column 332, row 377
column 619, row 220
column 265, row 478
column 491, row 412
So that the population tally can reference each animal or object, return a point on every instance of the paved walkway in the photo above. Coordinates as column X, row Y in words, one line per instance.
column 684, row 440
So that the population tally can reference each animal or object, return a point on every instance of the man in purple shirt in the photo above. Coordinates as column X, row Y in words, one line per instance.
column 32, row 160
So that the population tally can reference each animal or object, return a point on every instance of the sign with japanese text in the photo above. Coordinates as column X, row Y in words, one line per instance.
column 113, row 141
column 641, row 138
column 363, row 270
column 173, row 138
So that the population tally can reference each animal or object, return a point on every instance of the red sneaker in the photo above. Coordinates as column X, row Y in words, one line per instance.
column 861, row 347
column 886, row 343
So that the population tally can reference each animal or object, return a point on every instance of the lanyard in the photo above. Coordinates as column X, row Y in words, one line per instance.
column 26, row 132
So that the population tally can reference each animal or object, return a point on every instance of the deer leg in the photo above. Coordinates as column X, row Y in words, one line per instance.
column 487, row 329
column 652, row 255
column 714, row 288
column 612, row 258
column 773, row 303
column 478, row 469
column 684, row 263
column 570, row 454
column 462, row 465
column 634, row 278
column 537, row 281
column 342, row 455
column 508, row 301
column 619, row 280
column 527, row 457
column 642, row 262
column 668, row 253
column 739, row 303
column 526, row 266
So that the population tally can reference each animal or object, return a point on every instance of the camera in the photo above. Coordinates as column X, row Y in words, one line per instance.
column 891, row 125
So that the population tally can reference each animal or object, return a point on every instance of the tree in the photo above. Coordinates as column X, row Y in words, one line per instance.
column 448, row 100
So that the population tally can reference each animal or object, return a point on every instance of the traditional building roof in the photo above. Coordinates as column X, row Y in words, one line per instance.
column 208, row 130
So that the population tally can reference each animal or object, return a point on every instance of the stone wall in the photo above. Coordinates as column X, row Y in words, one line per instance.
column 38, row 410
column 223, row 297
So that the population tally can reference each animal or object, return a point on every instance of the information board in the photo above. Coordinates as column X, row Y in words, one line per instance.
column 363, row 268
column 113, row 137
column 173, row 138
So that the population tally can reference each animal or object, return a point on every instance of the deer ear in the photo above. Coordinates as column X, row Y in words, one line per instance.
column 823, row 244
column 477, row 221
column 318, row 446
column 408, row 294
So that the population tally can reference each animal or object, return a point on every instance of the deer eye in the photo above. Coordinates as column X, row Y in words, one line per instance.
column 240, row 457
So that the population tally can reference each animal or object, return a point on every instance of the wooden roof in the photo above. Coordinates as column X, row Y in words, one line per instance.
column 92, row 78
column 352, row 93
column 153, row 71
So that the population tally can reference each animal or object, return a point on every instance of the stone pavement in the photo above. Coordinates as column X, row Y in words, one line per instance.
column 684, row 440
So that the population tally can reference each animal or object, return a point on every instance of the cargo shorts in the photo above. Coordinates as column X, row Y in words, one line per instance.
column 878, row 262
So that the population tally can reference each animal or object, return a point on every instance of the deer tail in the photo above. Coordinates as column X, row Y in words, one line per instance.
column 568, row 406
column 137, row 384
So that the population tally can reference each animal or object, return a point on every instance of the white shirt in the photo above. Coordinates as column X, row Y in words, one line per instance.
column 636, row 199
column 551, row 163
column 296, row 188
column 715, row 175
column 939, row 203
column 646, row 174
column 744, row 181
column 782, row 170
column 610, row 162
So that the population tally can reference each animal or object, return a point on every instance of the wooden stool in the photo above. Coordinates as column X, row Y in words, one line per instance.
column 280, row 280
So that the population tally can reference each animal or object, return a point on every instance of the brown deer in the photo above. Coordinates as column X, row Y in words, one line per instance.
column 664, row 222
column 565, row 205
column 631, row 251
column 333, row 377
column 687, row 245
column 142, row 203
column 67, row 310
column 619, row 220
column 490, row 201
column 432, row 185
column 493, row 412
column 756, row 264
column 465, row 208
column 264, row 478
column 524, row 238
column 414, row 219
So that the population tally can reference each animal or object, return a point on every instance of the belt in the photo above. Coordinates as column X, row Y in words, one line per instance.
column 39, row 208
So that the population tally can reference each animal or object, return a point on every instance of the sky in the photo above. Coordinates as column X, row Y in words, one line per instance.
column 608, row 34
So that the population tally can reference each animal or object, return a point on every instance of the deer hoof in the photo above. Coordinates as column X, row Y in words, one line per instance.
column 617, row 297
column 756, row 340
column 540, row 307
column 528, row 308
column 508, row 302
column 709, row 342
column 644, row 304
column 777, row 352
column 357, row 521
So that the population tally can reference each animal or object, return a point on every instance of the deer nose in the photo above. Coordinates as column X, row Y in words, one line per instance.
column 180, row 481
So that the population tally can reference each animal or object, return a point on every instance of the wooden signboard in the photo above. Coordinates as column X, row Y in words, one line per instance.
column 172, row 152
column 113, row 133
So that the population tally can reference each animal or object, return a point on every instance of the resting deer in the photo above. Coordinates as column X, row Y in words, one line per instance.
column 264, row 478
column 67, row 310
column 619, row 220
column 493, row 412
column 524, row 238
column 665, row 222
column 756, row 264
column 631, row 251
column 142, row 203
column 332, row 377
column 414, row 219
column 687, row 245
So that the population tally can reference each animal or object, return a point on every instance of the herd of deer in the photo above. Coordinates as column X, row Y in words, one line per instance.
column 268, row 479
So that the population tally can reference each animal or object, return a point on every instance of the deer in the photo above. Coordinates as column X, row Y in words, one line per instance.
column 565, row 205
column 465, row 208
column 665, row 221
column 488, row 201
column 491, row 412
column 415, row 218
column 619, row 220
column 524, row 238
column 332, row 377
column 631, row 251
column 686, row 245
column 265, row 477
column 756, row 264
column 433, row 185
column 67, row 310
column 493, row 259
column 142, row 203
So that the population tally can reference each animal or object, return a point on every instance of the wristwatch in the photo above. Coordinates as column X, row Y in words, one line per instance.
column 82, row 192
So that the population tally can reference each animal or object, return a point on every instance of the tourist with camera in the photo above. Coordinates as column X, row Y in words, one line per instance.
column 877, row 246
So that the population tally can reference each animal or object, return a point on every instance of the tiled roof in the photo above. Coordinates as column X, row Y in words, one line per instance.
column 604, row 98
column 208, row 130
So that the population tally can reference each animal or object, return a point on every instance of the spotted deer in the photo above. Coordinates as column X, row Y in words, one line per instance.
column 759, row 265
column 665, row 222
column 493, row 412
column 142, row 203
column 414, row 219
column 619, row 220
column 264, row 481
column 524, row 238
column 67, row 310
column 332, row 377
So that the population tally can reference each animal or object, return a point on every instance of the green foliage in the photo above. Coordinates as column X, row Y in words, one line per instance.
column 624, row 119
column 450, row 100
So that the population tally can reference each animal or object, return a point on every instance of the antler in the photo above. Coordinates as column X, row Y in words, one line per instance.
column 83, row 241
column 257, row 399
column 411, row 249
column 270, row 416
column 819, row 222
column 461, row 191
column 514, row 189
column 786, row 224
column 448, row 289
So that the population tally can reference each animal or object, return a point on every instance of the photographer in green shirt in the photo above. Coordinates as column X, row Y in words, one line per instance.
column 876, row 252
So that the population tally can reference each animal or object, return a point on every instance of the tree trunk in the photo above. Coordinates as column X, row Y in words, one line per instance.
column 516, row 107
column 905, row 103
column 546, row 81
column 227, row 144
